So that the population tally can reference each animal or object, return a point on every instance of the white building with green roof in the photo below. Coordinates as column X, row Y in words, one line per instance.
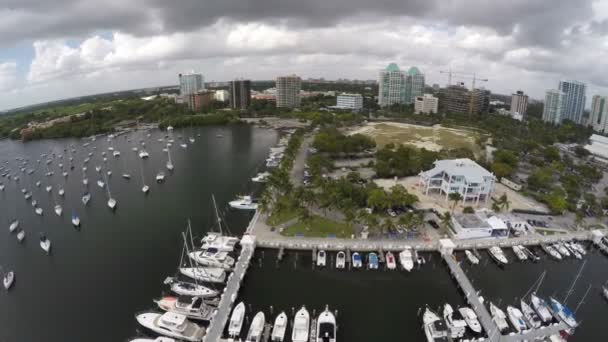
column 399, row 87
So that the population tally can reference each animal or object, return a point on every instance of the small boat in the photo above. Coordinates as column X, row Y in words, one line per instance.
column 372, row 261
column 190, row 289
column 8, row 280
column 519, row 253
column 86, row 198
column 301, row 326
column 75, row 220
column 257, row 328
column 261, row 177
column 219, row 241
column 391, row 264
column 406, row 259
column 143, row 154
column 573, row 251
column 517, row 319
column 499, row 317
column 497, row 254
column 531, row 255
column 236, row 320
column 145, row 189
column 340, row 260
column 45, row 243
column 578, row 247
column 134, row 149
column 562, row 313
column 184, row 146
column 112, row 203
column 160, row 177
column 605, row 291
column 192, row 140
column 34, row 203
column 158, row 339
column 471, row 257
column 27, row 196
column 101, row 184
column 126, row 176
column 98, row 168
column 109, row 173
column 14, row 225
column 279, row 328
column 530, row 315
column 206, row 274
column 58, row 210
column 171, row 325
column 191, row 307
column 541, row 308
column 21, row 235
column 561, row 250
column 470, row 318
column 116, row 153
column 321, row 256
column 170, row 166
column 326, row 326
column 357, row 263
column 213, row 257
column 64, row 174
column 38, row 211
column 38, row 184
column 61, row 192
column 456, row 325
column 49, row 188
column 435, row 328
column 551, row 251
column 243, row 203
column 85, row 181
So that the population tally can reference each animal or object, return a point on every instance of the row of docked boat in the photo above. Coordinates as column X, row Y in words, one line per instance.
column 408, row 257
column 558, row 251
column 303, row 329
column 452, row 325
column 562, row 250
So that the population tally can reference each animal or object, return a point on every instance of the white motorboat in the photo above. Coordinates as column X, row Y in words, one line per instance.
column 551, row 251
column 243, row 203
column 134, row 149
column 169, row 164
column 206, row 274
column 471, row 257
column 75, row 220
column 109, row 173
column 21, row 235
column 38, row 211
column 213, row 257
column 190, row 289
column 116, row 153
column 471, row 318
column 184, row 146
column 61, row 192
column 191, row 307
column 64, row 174
column 340, row 260
column 517, row 318
column 171, row 325
column 126, row 176
column 14, row 225
column 326, row 326
column 8, row 280
column 192, row 140
column 34, row 203
column 101, row 184
column 112, row 203
column 160, row 177
column 38, row 184
column 435, row 328
column 301, row 326
column 573, row 250
column 261, row 177
column 279, row 328
column 49, row 188
column 497, row 254
column 499, row 317
column 85, row 181
column 456, row 325
column 236, row 320
column 86, row 198
column 145, row 189
column 58, row 210
column 45, row 243
column 321, row 258
column 257, row 328
column 519, row 253
column 219, row 241
column 605, row 291
column 578, row 247
column 98, row 168
column 562, row 250
column 406, row 259
column 541, row 308
column 143, row 154
column 372, row 261
column 530, row 315
column 391, row 263
column 357, row 262
column 27, row 196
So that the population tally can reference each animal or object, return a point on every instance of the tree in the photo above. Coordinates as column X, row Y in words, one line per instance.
column 377, row 199
column 446, row 219
column 468, row 210
column 501, row 169
column 388, row 225
column 504, row 202
column 454, row 197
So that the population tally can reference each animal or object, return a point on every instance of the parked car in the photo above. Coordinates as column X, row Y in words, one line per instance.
column 433, row 224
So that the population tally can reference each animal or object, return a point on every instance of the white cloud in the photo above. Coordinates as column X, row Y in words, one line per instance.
column 8, row 76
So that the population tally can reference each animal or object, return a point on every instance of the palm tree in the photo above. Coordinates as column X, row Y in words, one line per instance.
column 446, row 219
column 455, row 197
column 504, row 202
column 388, row 225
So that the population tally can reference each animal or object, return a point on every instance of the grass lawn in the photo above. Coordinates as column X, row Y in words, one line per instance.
column 278, row 217
column 319, row 227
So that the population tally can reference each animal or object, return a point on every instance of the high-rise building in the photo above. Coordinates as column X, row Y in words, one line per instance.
column 240, row 94
column 190, row 84
column 458, row 99
column 554, row 106
column 426, row 104
column 349, row 101
column 519, row 103
column 599, row 114
column 391, row 86
column 288, row 91
column 574, row 100
column 222, row 95
column 414, row 84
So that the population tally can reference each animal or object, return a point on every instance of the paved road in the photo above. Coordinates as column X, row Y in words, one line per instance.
column 297, row 171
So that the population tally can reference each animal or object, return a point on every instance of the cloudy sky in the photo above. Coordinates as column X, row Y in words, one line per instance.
column 63, row 48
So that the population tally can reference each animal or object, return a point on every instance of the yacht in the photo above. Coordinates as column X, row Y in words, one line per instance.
column 531, row 255
column 456, row 325
column 75, row 220
column 38, row 211
column 519, row 253
column 261, row 177
column 206, row 274
column 541, row 308
column 143, row 154
column 191, row 307
column 14, row 225
column 530, row 315
column 372, row 261
column 301, row 326
column 27, row 196
column 160, row 177
column 49, row 188
column 21, row 235
column 499, row 317
column 116, row 153
column 516, row 318
column 184, row 146
column 38, row 184
column 573, row 250
column 86, row 198
column 145, row 189
column 578, row 247
column 497, row 254
column 279, row 328
column 391, row 264
column 112, row 203
column 109, row 173
column 435, row 328
column 100, row 183
column 562, row 250
column 236, row 320
column 471, row 257
column 45, row 243
column 244, row 203
column 171, row 325
column 126, row 176
column 357, row 263
column 219, row 241
column 213, row 257
column 406, row 259
column 551, row 251
column 58, row 210
column 326, row 326
column 192, row 140
column 8, row 280
column 85, row 181
column 98, row 169
column 471, row 318
column 61, row 192
column 190, row 289
column 257, row 328
column 340, row 260
column 562, row 313
column 321, row 256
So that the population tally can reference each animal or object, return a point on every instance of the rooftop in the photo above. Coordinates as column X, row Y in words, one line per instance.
column 414, row 71
column 472, row 171
column 392, row 67
column 471, row 221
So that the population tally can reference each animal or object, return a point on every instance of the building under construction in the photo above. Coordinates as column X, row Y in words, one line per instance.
column 457, row 99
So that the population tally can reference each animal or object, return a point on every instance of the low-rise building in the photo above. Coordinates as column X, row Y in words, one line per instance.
column 198, row 100
column 222, row 95
column 598, row 146
column 349, row 101
column 463, row 176
column 476, row 226
column 426, row 104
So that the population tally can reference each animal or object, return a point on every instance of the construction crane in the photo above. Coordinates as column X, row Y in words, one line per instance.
column 468, row 76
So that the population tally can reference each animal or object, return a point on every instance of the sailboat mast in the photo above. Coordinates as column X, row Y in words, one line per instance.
column 574, row 282
column 582, row 300
column 217, row 215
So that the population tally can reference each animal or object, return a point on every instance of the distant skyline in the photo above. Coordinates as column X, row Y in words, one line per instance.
column 50, row 50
